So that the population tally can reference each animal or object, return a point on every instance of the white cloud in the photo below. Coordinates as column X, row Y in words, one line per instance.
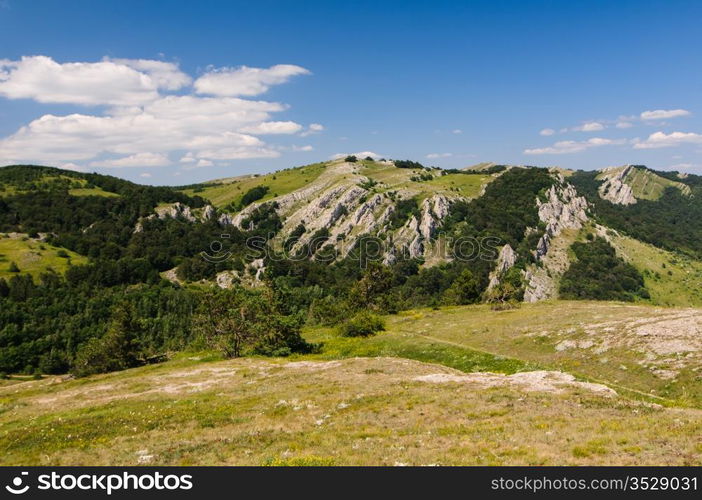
column 457, row 131
column 136, row 160
column 314, row 128
column 433, row 156
column 265, row 128
column 143, row 126
column 590, row 127
column 145, row 175
column 624, row 124
column 567, row 147
column 106, row 82
column 663, row 140
column 303, row 148
column 664, row 114
column 547, row 132
column 360, row 155
column 245, row 81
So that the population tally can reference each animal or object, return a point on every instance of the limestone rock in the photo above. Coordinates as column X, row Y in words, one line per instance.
column 614, row 188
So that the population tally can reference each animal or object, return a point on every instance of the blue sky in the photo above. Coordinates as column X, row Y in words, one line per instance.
column 155, row 91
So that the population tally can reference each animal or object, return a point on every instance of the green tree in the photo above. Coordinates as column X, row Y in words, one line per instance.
column 464, row 290
column 118, row 349
column 238, row 322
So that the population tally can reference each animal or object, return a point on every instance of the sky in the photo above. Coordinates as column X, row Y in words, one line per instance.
column 171, row 92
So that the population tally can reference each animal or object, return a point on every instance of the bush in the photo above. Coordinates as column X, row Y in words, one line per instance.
column 351, row 159
column 362, row 324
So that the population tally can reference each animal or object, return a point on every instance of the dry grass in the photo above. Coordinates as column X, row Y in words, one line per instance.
column 373, row 411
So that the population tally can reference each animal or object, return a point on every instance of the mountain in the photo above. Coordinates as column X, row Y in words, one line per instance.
column 327, row 240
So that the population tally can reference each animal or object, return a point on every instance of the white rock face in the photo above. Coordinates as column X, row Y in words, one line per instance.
column 227, row 279
column 614, row 188
column 176, row 210
column 563, row 209
column 416, row 234
column 208, row 213
column 505, row 260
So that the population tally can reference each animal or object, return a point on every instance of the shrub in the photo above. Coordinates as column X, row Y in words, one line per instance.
column 351, row 159
column 362, row 324
column 13, row 267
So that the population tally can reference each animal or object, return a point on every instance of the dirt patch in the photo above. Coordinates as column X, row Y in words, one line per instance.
column 536, row 381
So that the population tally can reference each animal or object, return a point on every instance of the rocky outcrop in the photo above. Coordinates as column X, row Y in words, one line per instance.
column 505, row 261
column 614, row 188
column 177, row 210
column 415, row 235
column 562, row 209
column 227, row 279
column 209, row 213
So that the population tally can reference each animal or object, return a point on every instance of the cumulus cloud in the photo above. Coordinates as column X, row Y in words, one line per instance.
column 433, row 156
column 663, row 114
column 547, row 132
column 589, row 127
column 141, row 124
column 245, row 81
column 360, row 154
column 567, row 147
column 314, row 128
column 663, row 140
column 265, row 128
column 106, row 82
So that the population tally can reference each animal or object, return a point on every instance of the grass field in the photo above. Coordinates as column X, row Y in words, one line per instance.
column 461, row 385
column 33, row 256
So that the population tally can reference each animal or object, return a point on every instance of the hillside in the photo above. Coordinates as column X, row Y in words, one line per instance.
column 450, row 403
column 314, row 236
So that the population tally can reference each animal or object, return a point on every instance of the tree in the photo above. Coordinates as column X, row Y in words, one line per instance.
column 464, row 290
column 237, row 322
column 351, row 159
column 118, row 349
column 376, row 280
column 13, row 267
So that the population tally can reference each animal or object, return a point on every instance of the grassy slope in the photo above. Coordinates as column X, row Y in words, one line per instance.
column 648, row 186
column 226, row 191
column 32, row 256
column 357, row 411
column 618, row 344
column 645, row 184
column 50, row 181
column 323, row 409
column 672, row 280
